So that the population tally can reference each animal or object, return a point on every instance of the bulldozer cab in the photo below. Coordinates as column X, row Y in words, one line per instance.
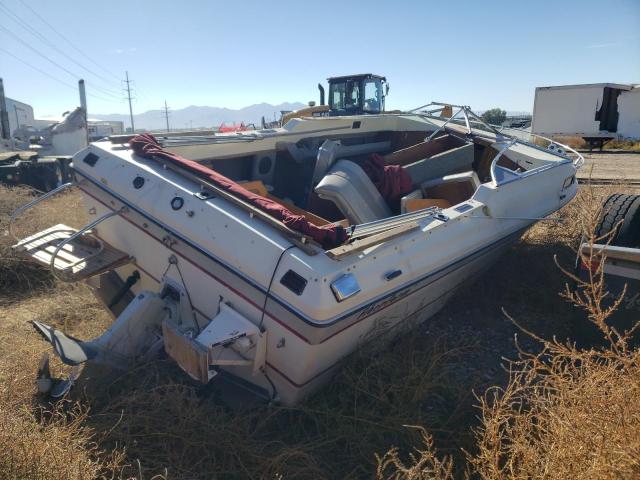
column 348, row 95
column 357, row 94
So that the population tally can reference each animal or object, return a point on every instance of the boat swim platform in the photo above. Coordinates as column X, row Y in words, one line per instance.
column 78, row 259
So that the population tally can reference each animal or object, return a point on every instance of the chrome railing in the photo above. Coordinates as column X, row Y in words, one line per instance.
column 470, row 117
column 77, row 234
column 20, row 210
column 378, row 226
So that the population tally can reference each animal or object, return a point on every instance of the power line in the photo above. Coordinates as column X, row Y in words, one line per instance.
column 46, row 41
column 37, row 34
column 36, row 68
column 139, row 92
column 69, row 41
column 42, row 55
column 37, row 52
column 51, row 76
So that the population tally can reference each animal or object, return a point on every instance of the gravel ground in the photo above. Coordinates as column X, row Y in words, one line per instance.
column 611, row 164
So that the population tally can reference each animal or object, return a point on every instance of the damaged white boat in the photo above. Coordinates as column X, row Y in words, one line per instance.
column 272, row 255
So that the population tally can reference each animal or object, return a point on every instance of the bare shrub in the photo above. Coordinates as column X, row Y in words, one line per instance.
column 425, row 464
column 566, row 412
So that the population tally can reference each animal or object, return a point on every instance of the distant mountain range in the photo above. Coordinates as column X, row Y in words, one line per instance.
column 195, row 117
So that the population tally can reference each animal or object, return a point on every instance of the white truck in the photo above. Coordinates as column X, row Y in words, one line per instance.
column 597, row 112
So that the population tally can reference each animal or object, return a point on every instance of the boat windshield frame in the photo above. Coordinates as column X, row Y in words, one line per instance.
column 469, row 120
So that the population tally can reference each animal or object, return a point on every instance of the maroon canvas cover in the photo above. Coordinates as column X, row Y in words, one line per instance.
column 392, row 181
column 328, row 236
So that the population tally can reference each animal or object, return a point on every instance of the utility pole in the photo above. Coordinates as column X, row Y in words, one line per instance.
column 83, row 95
column 4, row 115
column 166, row 115
column 128, row 82
column 83, row 105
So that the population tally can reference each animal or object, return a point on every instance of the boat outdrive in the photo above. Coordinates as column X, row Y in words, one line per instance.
column 154, row 321
column 271, row 255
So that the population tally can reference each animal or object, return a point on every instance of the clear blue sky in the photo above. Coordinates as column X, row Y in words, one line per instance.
column 236, row 53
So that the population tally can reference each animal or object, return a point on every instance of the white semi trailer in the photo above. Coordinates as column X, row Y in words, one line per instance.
column 597, row 112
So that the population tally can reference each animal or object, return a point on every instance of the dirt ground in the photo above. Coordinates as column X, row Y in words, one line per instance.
column 611, row 165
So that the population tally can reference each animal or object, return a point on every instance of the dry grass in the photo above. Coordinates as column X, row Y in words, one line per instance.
column 154, row 421
column 579, row 143
column 334, row 435
column 56, row 446
column 39, row 440
column 628, row 145
column 573, row 142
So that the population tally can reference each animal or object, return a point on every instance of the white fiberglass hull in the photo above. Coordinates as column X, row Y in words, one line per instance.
column 297, row 361
column 219, row 253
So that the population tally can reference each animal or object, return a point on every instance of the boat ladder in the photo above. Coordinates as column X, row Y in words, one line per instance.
column 71, row 255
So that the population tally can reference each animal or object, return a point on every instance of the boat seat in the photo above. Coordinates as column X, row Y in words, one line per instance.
column 414, row 204
column 331, row 150
column 325, row 159
column 416, row 194
column 454, row 188
column 413, row 152
column 300, row 153
column 455, row 160
column 416, row 201
column 469, row 176
column 353, row 192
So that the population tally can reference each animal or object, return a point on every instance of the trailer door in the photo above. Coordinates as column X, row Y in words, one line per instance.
column 607, row 115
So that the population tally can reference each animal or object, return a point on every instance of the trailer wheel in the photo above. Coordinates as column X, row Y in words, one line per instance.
column 624, row 208
column 51, row 176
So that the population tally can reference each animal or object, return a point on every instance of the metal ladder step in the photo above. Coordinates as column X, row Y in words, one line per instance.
column 80, row 258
